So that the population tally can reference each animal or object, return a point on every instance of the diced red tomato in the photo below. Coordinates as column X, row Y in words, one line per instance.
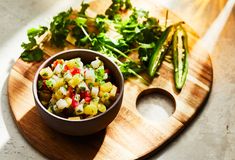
column 87, row 99
column 87, row 94
column 70, row 90
column 66, row 68
column 74, row 102
column 75, row 71
column 58, row 61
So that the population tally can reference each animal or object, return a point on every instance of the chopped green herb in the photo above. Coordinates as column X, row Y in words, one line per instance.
column 59, row 28
column 99, row 73
column 110, row 34
column 32, row 55
column 83, row 9
column 49, row 83
column 118, row 6
column 32, row 52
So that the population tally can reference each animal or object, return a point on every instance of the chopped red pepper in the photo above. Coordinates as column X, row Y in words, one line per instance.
column 70, row 90
column 75, row 71
column 54, row 64
column 66, row 68
column 87, row 99
column 58, row 61
column 74, row 102
column 87, row 94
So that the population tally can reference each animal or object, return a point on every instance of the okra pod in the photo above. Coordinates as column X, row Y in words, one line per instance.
column 180, row 56
column 160, row 50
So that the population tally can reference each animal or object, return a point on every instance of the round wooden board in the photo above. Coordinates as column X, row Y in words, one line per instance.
column 129, row 136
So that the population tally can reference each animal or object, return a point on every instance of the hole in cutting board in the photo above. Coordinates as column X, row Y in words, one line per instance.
column 155, row 104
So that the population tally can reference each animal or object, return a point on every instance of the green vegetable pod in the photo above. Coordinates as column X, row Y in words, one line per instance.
column 160, row 50
column 180, row 57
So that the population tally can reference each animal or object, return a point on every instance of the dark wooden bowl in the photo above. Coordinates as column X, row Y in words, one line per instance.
column 84, row 126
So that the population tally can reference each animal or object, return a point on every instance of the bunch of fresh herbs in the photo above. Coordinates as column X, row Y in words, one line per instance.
column 111, row 34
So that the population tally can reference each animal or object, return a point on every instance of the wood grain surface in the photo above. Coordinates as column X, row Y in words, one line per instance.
column 129, row 136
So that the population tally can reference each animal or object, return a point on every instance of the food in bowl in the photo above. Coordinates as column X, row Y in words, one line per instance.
column 74, row 90
column 86, row 126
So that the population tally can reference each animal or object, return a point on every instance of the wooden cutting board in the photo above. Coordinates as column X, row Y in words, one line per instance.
column 129, row 136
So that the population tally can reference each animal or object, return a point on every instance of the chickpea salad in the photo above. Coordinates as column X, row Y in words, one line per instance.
column 72, row 90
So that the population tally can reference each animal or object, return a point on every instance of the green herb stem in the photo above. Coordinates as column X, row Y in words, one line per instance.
column 85, row 32
column 117, row 51
column 131, row 71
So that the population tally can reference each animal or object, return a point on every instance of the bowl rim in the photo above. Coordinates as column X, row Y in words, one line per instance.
column 35, row 94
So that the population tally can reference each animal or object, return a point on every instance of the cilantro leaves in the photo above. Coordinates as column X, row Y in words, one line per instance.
column 117, row 7
column 32, row 55
column 108, row 34
column 59, row 28
column 32, row 52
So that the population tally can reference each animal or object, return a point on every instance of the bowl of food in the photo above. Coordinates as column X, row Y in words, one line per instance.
column 78, row 92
